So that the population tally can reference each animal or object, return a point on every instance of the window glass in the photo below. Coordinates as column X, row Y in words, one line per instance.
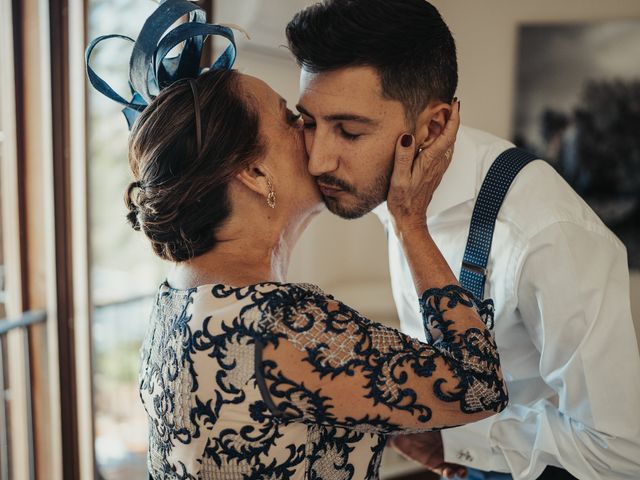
column 124, row 272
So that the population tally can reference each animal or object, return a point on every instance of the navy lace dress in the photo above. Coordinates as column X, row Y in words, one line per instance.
column 281, row 381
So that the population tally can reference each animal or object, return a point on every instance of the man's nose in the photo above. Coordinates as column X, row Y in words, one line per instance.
column 323, row 158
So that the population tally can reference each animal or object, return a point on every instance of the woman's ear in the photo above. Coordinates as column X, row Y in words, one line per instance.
column 430, row 123
column 255, row 178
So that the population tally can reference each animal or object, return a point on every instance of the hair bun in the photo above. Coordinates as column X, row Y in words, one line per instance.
column 132, row 205
column 132, row 217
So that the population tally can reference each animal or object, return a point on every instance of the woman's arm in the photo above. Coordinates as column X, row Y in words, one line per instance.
column 413, row 183
column 414, row 180
column 323, row 363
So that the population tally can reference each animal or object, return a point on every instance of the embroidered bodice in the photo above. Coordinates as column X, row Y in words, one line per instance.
column 282, row 381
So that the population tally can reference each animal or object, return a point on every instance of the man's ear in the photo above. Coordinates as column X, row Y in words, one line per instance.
column 255, row 178
column 430, row 123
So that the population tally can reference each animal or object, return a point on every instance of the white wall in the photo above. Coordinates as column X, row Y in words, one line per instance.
column 485, row 33
column 349, row 258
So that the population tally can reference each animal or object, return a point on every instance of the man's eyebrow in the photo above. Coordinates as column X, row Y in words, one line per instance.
column 345, row 117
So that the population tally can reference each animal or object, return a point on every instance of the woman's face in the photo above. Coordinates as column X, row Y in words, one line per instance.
column 286, row 156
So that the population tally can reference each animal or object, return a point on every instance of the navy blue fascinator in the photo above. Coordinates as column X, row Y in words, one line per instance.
column 150, row 70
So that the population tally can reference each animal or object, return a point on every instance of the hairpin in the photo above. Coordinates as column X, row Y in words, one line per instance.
column 150, row 71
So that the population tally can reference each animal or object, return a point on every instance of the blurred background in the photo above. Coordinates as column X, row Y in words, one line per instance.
column 76, row 283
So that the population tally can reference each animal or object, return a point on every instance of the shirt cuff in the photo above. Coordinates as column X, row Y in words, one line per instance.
column 471, row 445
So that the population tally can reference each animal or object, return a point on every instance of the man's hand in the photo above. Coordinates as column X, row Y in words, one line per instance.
column 426, row 449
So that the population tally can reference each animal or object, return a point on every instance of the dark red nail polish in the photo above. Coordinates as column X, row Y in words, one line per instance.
column 406, row 140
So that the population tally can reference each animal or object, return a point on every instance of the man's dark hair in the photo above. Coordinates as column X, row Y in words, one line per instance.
column 406, row 41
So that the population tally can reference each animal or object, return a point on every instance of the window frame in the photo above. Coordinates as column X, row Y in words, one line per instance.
column 44, row 215
column 45, row 212
column 19, row 453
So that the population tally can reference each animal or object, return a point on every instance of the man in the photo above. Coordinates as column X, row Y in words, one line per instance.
column 373, row 69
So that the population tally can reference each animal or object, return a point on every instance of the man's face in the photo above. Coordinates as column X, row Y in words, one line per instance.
column 350, row 134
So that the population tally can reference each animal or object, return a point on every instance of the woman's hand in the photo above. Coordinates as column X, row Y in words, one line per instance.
column 415, row 178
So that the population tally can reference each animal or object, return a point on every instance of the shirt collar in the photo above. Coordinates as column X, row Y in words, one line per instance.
column 458, row 185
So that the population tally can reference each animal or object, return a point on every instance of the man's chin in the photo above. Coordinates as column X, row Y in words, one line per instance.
column 344, row 211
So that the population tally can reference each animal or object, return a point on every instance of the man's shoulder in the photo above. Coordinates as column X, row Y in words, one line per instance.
column 481, row 138
column 539, row 196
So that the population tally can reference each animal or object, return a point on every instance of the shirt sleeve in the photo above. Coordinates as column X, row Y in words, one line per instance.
column 324, row 363
column 573, row 297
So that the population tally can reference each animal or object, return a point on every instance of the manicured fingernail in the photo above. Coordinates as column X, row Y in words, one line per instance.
column 406, row 140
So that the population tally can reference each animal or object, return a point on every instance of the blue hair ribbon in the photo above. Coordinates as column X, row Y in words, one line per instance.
column 150, row 71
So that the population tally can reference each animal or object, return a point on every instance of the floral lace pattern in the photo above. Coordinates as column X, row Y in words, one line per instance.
column 283, row 381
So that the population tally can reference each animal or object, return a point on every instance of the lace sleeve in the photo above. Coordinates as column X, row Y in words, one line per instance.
column 322, row 362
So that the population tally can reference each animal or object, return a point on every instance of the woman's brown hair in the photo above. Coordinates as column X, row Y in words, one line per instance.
column 179, row 196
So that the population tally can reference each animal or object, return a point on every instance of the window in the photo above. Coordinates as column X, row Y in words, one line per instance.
column 124, row 271
column 44, row 394
column 17, row 443
column 122, row 268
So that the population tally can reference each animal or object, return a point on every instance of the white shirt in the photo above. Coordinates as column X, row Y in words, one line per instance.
column 560, row 282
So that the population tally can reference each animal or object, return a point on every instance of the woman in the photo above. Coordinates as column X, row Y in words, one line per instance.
column 244, row 375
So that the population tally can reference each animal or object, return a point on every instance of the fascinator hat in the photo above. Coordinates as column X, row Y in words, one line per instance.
column 151, row 69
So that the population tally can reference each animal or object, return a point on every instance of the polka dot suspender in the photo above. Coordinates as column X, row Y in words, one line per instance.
column 494, row 188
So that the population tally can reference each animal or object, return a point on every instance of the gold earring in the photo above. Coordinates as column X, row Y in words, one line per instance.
column 271, row 197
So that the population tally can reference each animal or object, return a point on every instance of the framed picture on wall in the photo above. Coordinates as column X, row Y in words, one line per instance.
column 578, row 107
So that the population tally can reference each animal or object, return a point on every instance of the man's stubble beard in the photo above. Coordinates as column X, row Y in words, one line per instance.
column 364, row 202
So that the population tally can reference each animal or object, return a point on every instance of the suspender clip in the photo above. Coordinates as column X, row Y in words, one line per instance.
column 478, row 270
